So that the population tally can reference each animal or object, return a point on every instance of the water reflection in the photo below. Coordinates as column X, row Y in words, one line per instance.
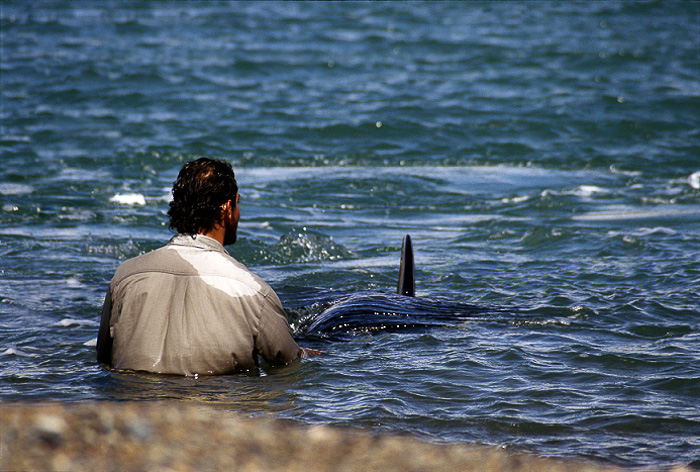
column 256, row 391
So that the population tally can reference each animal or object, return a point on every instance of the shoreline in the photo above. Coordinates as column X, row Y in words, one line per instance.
column 136, row 436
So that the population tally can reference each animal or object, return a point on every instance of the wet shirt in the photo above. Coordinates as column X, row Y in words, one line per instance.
column 189, row 308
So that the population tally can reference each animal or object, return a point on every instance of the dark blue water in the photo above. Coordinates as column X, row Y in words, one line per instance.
column 544, row 156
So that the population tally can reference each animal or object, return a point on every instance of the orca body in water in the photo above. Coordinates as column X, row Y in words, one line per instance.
column 372, row 312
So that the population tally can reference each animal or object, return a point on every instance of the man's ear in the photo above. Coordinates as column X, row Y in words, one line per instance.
column 225, row 209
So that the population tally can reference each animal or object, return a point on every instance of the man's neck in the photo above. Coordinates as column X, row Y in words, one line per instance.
column 218, row 233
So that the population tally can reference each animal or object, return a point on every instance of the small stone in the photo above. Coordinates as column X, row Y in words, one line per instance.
column 50, row 429
column 138, row 428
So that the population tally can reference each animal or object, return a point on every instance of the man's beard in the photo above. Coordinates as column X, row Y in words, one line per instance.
column 230, row 236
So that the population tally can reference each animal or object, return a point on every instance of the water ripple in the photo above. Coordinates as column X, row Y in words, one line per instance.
column 544, row 161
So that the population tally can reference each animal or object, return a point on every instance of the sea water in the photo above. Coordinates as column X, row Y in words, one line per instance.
column 544, row 157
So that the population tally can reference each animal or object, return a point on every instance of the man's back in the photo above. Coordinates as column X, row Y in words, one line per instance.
column 188, row 308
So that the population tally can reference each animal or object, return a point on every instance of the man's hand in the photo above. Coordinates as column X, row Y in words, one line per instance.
column 310, row 352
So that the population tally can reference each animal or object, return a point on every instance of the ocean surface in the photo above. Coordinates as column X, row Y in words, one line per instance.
column 544, row 157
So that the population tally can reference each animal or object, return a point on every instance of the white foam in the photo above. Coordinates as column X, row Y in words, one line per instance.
column 16, row 352
column 167, row 196
column 8, row 188
column 588, row 190
column 129, row 199
column 642, row 232
column 17, row 139
column 631, row 213
column 614, row 170
column 694, row 180
column 583, row 191
column 656, row 230
column 75, row 283
column 515, row 199
column 66, row 322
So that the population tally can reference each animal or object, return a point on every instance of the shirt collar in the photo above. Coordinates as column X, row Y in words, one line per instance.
column 199, row 241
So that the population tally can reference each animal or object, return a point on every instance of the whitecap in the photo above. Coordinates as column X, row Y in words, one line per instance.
column 8, row 188
column 66, row 322
column 74, row 283
column 628, row 173
column 91, row 343
column 167, row 196
column 515, row 199
column 632, row 213
column 17, row 139
column 129, row 199
column 588, row 190
column 694, row 180
column 75, row 214
column 16, row 352
column 656, row 230
column 70, row 174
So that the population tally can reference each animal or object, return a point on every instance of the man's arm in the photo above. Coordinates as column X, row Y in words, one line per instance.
column 274, row 341
column 104, row 338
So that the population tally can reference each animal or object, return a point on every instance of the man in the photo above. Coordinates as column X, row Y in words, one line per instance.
column 189, row 307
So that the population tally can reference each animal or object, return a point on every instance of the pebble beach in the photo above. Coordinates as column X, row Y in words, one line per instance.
column 130, row 436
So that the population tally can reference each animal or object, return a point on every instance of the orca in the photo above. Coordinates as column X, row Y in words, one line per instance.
column 407, row 269
column 373, row 311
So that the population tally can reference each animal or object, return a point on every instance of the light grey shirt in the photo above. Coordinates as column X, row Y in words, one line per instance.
column 190, row 308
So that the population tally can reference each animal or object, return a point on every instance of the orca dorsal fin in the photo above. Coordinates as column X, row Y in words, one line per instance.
column 407, row 272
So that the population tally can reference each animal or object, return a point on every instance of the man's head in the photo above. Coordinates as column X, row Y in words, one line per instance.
column 205, row 196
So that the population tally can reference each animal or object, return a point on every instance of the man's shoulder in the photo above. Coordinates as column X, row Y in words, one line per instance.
column 193, row 260
column 171, row 255
column 146, row 261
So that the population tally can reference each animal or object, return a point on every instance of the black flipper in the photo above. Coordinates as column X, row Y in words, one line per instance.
column 407, row 272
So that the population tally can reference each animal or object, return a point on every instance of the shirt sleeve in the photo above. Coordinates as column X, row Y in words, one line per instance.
column 274, row 341
column 104, row 337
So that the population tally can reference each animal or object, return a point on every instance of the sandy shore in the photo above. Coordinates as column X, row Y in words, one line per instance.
column 183, row 437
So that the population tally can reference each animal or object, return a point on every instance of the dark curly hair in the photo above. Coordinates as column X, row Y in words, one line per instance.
column 202, row 187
